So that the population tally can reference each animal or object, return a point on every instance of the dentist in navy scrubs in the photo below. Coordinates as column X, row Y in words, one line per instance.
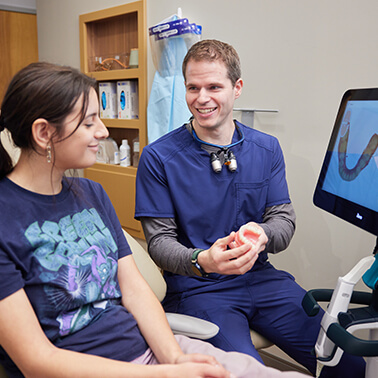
column 196, row 187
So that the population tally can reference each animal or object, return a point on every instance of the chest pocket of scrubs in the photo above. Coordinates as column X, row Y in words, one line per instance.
column 251, row 201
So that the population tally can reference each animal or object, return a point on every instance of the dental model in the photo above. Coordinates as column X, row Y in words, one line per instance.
column 247, row 234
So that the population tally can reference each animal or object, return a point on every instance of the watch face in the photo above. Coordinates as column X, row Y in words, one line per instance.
column 196, row 271
column 196, row 268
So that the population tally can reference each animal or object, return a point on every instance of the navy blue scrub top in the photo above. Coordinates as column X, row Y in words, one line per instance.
column 175, row 180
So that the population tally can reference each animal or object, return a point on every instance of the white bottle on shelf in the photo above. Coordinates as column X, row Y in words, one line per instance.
column 135, row 152
column 124, row 153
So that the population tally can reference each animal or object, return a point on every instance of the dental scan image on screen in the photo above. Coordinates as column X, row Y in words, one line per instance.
column 352, row 172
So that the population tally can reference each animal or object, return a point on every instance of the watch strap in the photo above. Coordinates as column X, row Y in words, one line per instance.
column 195, row 254
column 196, row 267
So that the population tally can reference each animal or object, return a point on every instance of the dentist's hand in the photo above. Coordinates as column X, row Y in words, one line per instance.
column 250, row 233
column 237, row 260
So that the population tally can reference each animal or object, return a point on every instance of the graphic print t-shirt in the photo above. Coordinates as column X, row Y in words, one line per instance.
column 64, row 250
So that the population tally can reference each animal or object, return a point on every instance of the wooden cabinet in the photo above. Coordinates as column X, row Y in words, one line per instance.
column 107, row 34
column 18, row 45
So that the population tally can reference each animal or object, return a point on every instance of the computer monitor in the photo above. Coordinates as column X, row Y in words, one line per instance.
column 348, row 182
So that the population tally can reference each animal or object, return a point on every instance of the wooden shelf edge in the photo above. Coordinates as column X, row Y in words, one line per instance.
column 117, row 123
column 116, row 75
column 112, row 168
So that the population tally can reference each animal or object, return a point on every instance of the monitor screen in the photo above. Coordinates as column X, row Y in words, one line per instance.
column 348, row 181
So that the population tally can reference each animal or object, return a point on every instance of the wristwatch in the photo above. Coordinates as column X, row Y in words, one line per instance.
column 196, row 267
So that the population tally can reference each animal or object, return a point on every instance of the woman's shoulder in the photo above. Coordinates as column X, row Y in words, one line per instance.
column 83, row 183
column 84, row 187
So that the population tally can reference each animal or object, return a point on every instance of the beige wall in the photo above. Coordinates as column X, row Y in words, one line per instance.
column 298, row 57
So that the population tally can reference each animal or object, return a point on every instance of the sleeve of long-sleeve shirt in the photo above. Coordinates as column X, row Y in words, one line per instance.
column 164, row 248
column 172, row 256
column 279, row 226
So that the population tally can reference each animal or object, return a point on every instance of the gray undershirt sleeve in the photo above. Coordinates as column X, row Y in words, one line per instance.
column 279, row 226
column 163, row 247
column 172, row 256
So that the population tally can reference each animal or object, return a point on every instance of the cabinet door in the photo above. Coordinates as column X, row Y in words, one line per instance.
column 120, row 187
column 18, row 44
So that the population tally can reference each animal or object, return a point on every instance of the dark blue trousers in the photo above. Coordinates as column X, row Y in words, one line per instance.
column 270, row 302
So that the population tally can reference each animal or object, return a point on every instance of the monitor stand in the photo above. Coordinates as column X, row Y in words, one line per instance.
column 339, row 323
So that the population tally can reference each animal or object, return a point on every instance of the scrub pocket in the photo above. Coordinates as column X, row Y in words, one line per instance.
column 250, row 202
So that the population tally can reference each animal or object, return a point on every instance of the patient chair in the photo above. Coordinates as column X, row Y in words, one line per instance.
column 179, row 323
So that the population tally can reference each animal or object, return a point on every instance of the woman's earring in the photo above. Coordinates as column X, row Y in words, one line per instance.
column 48, row 154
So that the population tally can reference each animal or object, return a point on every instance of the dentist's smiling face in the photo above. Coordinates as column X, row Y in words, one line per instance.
column 77, row 148
column 210, row 95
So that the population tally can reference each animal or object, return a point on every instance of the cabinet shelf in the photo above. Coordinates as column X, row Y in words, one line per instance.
column 115, row 168
column 110, row 33
column 122, row 123
column 112, row 75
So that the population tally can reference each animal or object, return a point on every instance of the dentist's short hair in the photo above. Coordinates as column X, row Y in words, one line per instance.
column 212, row 50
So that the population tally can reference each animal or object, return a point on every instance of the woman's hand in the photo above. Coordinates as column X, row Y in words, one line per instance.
column 199, row 365
column 197, row 357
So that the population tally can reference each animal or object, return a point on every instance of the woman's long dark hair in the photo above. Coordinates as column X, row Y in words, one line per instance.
column 40, row 90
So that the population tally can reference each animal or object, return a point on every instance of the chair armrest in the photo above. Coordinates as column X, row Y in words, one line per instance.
column 191, row 326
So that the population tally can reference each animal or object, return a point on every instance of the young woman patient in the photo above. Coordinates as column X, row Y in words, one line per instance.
column 72, row 301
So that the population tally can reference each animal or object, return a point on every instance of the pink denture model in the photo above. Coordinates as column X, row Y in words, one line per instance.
column 247, row 234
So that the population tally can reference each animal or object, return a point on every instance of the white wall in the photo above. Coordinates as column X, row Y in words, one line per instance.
column 298, row 57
